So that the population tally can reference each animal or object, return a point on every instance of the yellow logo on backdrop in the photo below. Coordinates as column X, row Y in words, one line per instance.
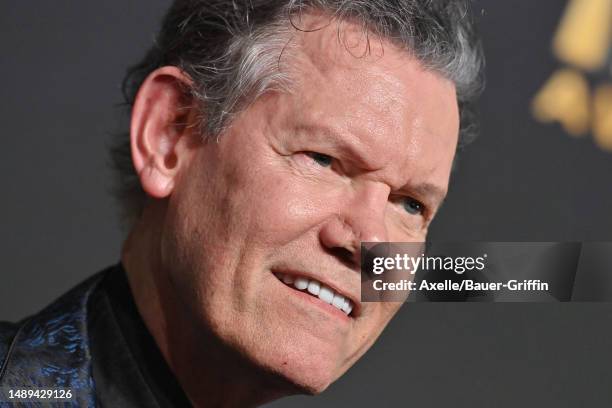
column 583, row 43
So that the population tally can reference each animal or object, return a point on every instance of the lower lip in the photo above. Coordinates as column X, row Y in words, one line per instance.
column 318, row 302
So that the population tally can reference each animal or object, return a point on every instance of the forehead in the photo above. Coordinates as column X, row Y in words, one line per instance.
column 365, row 88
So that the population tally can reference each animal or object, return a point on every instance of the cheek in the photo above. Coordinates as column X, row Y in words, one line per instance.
column 286, row 206
column 202, row 227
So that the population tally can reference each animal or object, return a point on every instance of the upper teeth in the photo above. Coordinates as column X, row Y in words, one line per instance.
column 316, row 288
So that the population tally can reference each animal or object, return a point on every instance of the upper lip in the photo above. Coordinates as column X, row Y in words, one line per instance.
column 350, row 295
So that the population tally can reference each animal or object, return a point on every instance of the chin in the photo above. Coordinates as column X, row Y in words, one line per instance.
column 305, row 371
column 315, row 386
column 306, row 382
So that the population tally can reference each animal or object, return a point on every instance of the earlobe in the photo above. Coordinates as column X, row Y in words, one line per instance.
column 160, row 130
column 157, row 184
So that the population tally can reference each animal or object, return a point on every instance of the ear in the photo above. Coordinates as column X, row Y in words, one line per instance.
column 160, row 130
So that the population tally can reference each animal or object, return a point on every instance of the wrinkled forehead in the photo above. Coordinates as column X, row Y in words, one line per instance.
column 366, row 87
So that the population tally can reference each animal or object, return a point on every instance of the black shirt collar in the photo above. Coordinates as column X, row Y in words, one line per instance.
column 128, row 367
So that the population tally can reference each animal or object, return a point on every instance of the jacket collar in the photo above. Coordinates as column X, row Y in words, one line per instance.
column 51, row 348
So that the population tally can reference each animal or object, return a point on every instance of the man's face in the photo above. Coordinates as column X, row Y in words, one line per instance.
column 361, row 150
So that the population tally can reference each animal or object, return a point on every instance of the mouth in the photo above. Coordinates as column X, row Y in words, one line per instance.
column 318, row 290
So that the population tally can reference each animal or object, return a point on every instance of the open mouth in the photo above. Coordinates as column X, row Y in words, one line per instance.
column 315, row 288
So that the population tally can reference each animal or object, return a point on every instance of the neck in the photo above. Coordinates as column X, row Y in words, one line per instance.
column 210, row 373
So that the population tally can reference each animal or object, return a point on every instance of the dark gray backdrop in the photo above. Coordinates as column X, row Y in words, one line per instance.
column 61, row 64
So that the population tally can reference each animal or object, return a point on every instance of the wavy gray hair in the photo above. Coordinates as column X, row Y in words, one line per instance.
column 232, row 48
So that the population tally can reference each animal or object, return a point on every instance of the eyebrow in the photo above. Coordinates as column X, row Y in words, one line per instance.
column 345, row 142
column 431, row 191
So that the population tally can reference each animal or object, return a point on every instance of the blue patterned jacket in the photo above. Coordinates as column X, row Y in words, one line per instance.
column 51, row 350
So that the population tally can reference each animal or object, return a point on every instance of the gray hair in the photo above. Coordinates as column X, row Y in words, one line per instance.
column 232, row 49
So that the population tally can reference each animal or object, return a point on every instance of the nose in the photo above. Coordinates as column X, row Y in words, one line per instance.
column 361, row 219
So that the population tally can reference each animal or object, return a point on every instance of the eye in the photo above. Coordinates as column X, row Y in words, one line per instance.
column 413, row 206
column 322, row 159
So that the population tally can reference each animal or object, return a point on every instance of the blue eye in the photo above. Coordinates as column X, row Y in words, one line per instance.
column 412, row 206
column 322, row 159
